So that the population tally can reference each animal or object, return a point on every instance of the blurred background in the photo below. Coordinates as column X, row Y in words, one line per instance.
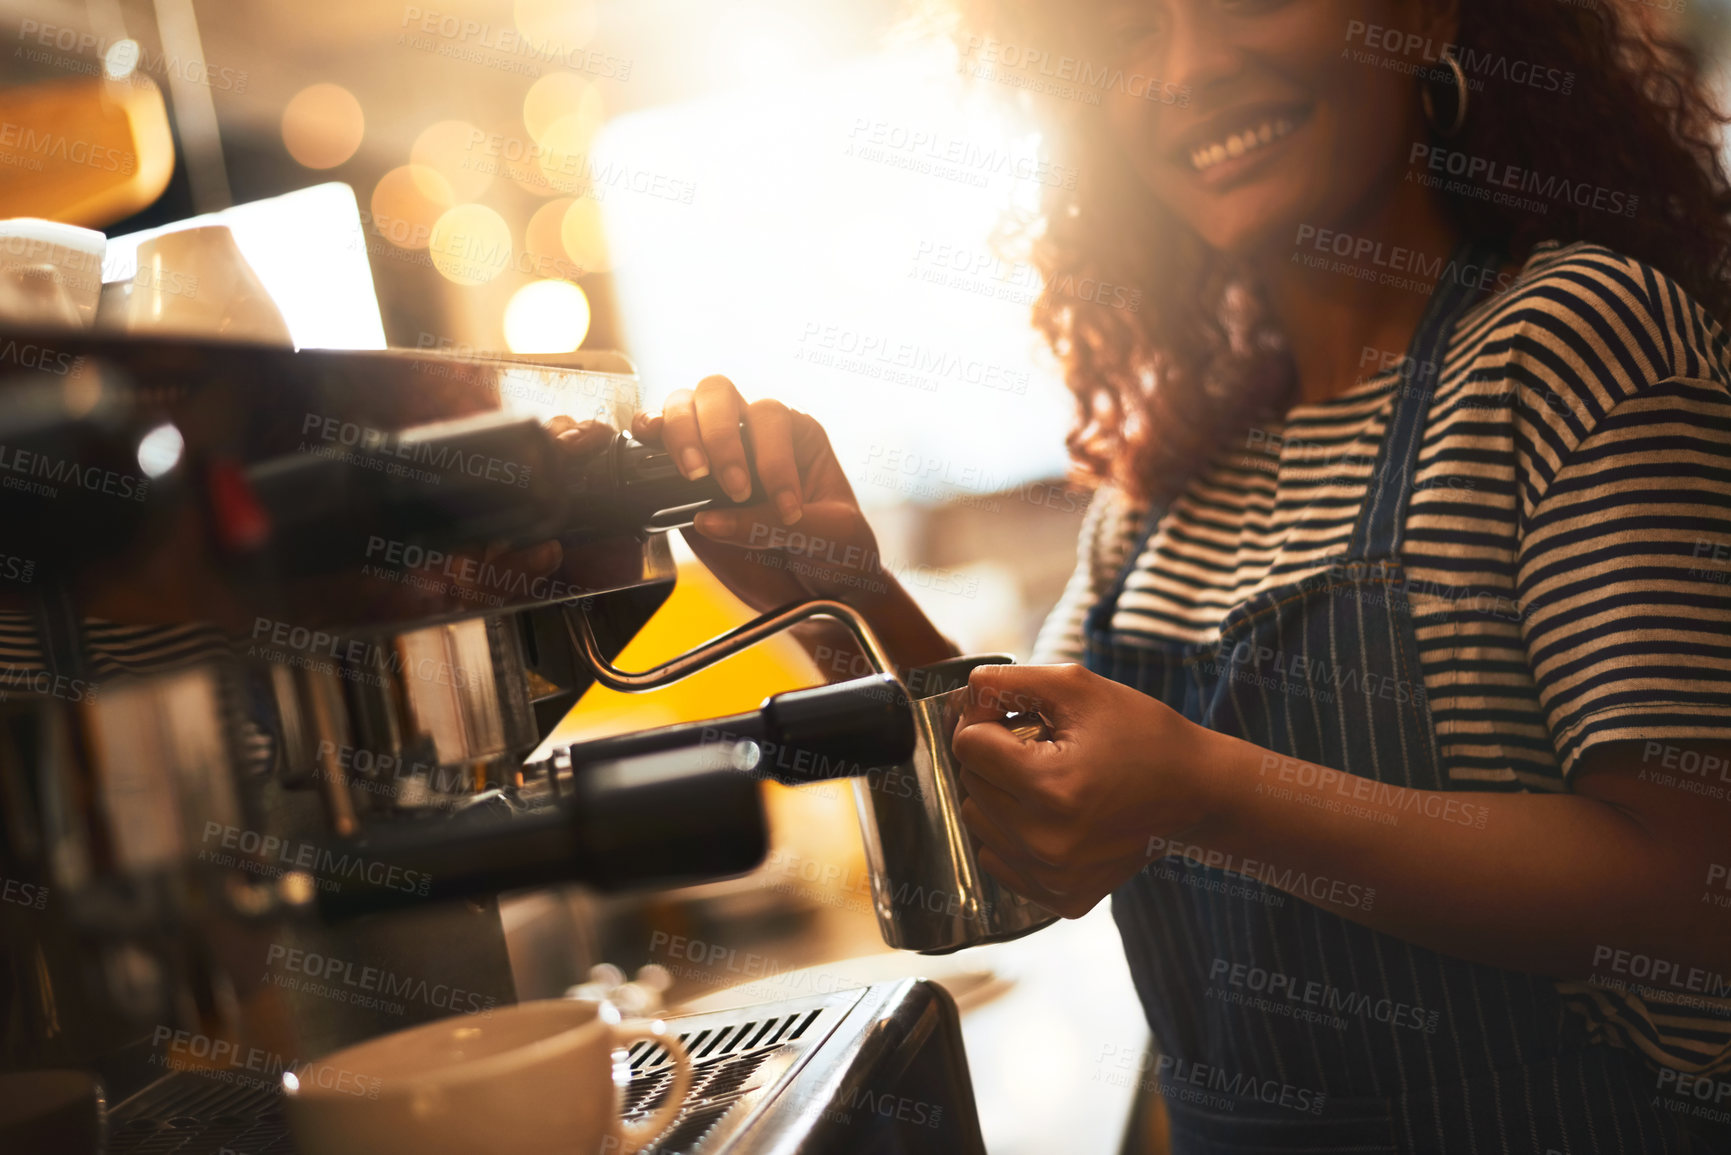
column 801, row 196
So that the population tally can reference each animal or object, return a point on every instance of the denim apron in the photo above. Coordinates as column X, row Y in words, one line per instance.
column 1283, row 1027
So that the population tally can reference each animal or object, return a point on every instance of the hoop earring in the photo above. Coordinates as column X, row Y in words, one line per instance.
column 1460, row 79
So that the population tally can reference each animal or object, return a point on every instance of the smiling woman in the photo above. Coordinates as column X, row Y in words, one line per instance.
column 1390, row 637
column 1615, row 140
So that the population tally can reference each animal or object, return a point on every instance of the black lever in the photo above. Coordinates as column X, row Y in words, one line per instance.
column 837, row 731
column 465, row 483
column 651, row 822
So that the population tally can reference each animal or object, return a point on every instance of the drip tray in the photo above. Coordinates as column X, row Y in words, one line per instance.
column 761, row 1076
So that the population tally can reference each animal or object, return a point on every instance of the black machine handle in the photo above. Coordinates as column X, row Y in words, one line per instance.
column 461, row 483
column 836, row 731
column 663, row 807
column 649, row 824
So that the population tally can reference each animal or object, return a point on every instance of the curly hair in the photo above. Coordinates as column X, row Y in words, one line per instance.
column 1160, row 388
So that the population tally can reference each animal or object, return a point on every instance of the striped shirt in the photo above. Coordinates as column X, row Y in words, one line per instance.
column 1568, row 552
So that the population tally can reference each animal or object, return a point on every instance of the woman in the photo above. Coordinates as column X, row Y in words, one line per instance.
column 1391, row 696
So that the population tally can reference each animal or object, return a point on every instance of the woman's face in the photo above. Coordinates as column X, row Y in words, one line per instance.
column 1273, row 114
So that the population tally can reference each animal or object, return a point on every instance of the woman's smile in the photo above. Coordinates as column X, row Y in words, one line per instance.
column 1240, row 143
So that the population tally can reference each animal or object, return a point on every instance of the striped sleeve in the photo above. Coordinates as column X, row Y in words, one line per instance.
column 1624, row 574
column 1105, row 539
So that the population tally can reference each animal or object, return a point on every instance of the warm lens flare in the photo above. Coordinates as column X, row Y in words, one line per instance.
column 580, row 232
column 544, row 242
column 407, row 202
column 546, row 317
column 560, row 26
column 323, row 125
column 456, row 150
column 470, row 245
column 558, row 95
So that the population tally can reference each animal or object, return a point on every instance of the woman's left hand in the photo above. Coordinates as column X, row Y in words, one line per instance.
column 1067, row 821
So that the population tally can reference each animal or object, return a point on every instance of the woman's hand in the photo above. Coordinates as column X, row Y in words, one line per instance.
column 809, row 539
column 1065, row 822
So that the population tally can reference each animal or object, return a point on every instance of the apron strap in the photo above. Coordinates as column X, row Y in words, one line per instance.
column 1099, row 620
column 1382, row 521
column 59, row 626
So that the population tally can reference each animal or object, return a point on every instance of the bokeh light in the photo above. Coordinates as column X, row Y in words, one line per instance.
column 544, row 242
column 557, row 26
column 456, row 150
column 322, row 125
column 470, row 245
column 121, row 59
column 407, row 202
column 546, row 317
column 581, row 234
column 558, row 95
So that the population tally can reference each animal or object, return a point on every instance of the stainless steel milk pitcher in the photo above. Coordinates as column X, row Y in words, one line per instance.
column 928, row 889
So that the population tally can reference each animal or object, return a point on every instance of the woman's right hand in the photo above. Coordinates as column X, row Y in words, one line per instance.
column 808, row 539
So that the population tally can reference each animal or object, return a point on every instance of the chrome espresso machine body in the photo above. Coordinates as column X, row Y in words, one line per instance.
column 282, row 637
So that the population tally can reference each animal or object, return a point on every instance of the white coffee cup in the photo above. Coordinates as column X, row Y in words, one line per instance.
column 49, row 272
column 198, row 283
column 537, row 1076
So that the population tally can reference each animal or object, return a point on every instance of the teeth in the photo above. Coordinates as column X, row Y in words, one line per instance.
column 1240, row 143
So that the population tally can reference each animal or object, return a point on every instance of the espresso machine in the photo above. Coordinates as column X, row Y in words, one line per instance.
column 282, row 638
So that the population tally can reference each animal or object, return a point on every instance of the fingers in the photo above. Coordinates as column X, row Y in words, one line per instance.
column 1001, row 849
column 992, row 756
column 719, row 410
column 579, row 437
column 1050, row 691
column 771, row 426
